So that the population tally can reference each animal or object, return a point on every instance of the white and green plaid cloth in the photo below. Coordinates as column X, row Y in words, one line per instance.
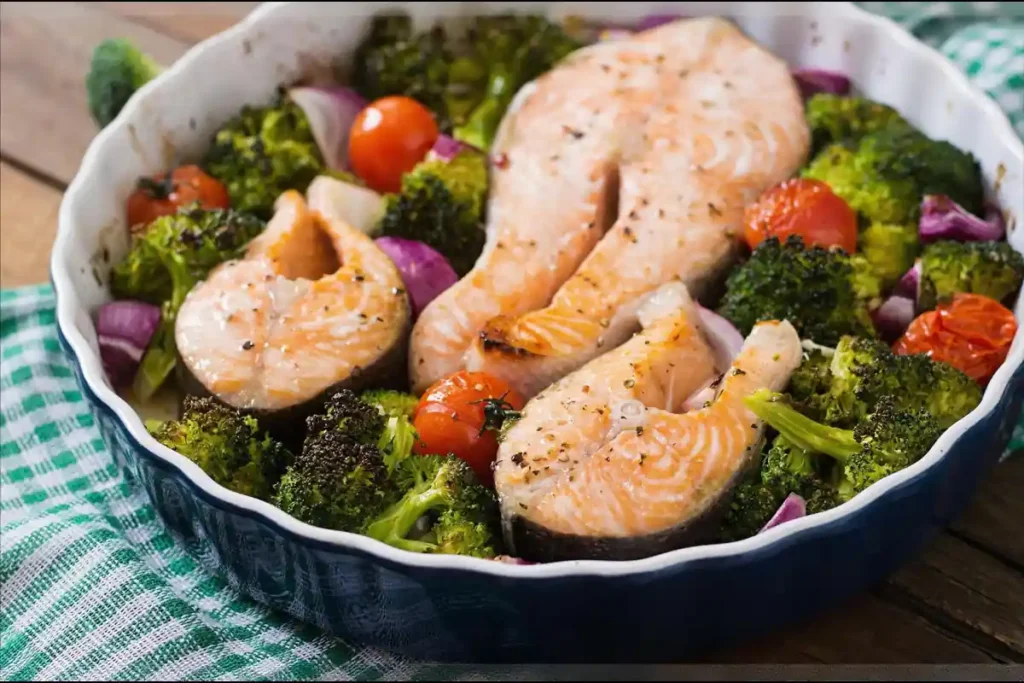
column 92, row 585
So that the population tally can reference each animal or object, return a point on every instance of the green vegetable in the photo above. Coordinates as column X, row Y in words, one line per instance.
column 340, row 480
column 887, row 440
column 442, row 205
column 820, row 291
column 992, row 269
column 810, row 385
column 263, row 152
column 885, row 175
column 116, row 71
column 227, row 445
column 864, row 371
column 751, row 507
column 512, row 50
column 165, row 262
column 890, row 249
column 443, row 487
column 838, row 118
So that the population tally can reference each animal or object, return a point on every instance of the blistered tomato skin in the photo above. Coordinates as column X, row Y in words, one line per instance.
column 163, row 196
column 804, row 207
column 971, row 332
column 452, row 418
column 388, row 138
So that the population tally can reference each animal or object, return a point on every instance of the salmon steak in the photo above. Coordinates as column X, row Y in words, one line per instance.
column 627, row 166
column 313, row 305
column 602, row 465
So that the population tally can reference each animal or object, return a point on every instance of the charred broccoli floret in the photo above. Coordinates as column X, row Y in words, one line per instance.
column 165, row 262
column 992, row 269
column 819, row 291
column 263, row 152
column 227, row 445
column 787, row 468
column 837, row 118
column 512, row 50
column 889, row 439
column 116, row 71
column 340, row 480
column 810, row 385
column 460, row 514
column 442, row 205
column 751, row 507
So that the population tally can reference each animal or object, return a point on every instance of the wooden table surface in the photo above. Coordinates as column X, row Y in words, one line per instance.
column 961, row 601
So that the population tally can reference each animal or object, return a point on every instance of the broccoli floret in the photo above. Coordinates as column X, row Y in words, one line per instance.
column 810, row 385
column 786, row 468
column 398, row 435
column 890, row 249
column 815, row 289
column 462, row 513
column 116, row 71
column 165, row 262
column 837, row 118
column 889, row 439
column 227, row 445
column 885, row 175
column 263, row 152
column 442, row 205
column 864, row 371
column 512, row 50
column 752, row 505
column 992, row 269
column 340, row 480
column 392, row 60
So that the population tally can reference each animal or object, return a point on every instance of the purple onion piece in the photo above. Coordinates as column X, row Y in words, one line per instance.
column 909, row 285
column 426, row 273
column 794, row 507
column 894, row 316
column 813, row 81
column 656, row 20
column 508, row 559
column 331, row 112
column 726, row 340
column 944, row 219
column 123, row 330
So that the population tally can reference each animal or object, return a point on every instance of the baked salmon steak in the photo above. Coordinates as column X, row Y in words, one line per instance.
column 627, row 166
column 602, row 465
column 313, row 306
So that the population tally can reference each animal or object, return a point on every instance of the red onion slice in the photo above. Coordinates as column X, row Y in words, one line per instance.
column 794, row 507
column 331, row 112
column 426, row 272
column 726, row 340
column 944, row 219
column 703, row 395
column 813, row 81
column 508, row 559
column 447, row 148
column 123, row 330
column 894, row 316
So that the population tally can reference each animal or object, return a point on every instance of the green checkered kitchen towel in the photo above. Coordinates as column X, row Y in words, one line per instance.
column 92, row 585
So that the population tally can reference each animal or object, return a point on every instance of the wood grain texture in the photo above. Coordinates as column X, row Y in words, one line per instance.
column 995, row 518
column 28, row 224
column 190, row 22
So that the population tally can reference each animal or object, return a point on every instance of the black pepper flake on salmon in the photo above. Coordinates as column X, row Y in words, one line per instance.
column 522, row 505
column 247, row 344
column 575, row 133
column 639, row 431
column 629, row 383
column 683, row 73
column 379, row 319
column 714, row 210
column 517, row 459
column 363, row 317
column 643, row 456
column 605, row 68
column 633, row 215
column 398, row 291
column 737, row 372
column 359, row 278
column 591, row 225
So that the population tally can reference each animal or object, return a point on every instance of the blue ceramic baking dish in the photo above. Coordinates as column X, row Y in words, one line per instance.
column 663, row 608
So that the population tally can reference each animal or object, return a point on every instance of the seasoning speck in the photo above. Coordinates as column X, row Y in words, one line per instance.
column 713, row 210
column 629, row 383
column 247, row 344
column 639, row 431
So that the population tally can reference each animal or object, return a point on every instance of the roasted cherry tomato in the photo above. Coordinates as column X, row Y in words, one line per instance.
column 388, row 138
column 461, row 414
column 971, row 332
column 803, row 207
column 163, row 194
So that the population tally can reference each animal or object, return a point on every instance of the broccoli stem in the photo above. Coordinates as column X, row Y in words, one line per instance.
column 396, row 522
column 801, row 430
column 161, row 355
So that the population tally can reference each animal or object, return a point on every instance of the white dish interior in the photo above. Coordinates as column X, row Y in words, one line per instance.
column 171, row 120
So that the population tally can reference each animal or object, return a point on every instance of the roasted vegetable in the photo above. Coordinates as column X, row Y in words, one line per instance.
column 227, row 445
column 821, row 292
column 165, row 262
column 839, row 118
column 992, row 269
column 890, row 249
column 442, row 205
column 261, row 153
column 116, row 71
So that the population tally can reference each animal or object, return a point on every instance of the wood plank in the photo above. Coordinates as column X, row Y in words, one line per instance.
column 28, row 216
column 964, row 587
column 993, row 520
column 44, row 55
column 189, row 22
column 867, row 630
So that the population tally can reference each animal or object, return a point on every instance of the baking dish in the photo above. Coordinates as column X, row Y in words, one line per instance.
column 457, row 608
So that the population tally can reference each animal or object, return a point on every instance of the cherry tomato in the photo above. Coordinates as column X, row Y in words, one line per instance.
column 971, row 332
column 460, row 414
column 388, row 138
column 161, row 195
column 803, row 207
